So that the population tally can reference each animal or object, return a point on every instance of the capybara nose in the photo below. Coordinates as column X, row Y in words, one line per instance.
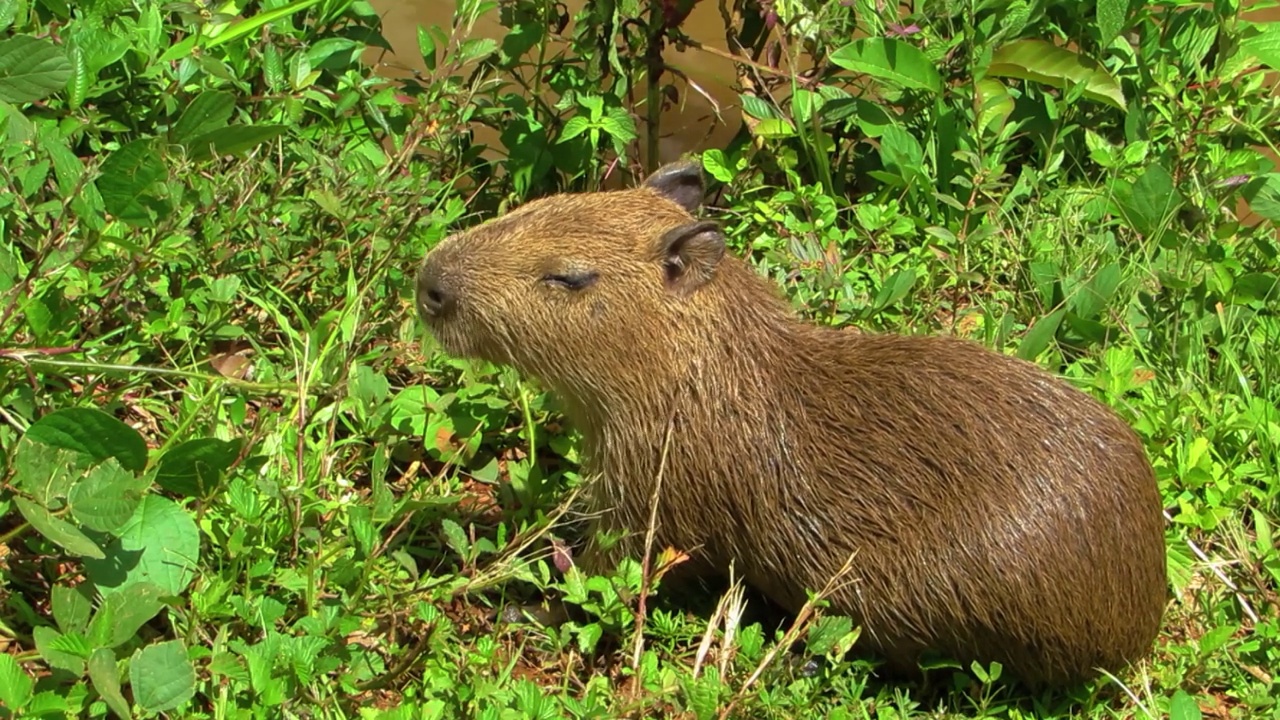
column 435, row 299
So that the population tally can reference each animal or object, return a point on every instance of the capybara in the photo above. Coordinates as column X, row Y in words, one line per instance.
column 996, row 512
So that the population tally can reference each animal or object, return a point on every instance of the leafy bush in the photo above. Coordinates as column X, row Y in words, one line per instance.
column 238, row 481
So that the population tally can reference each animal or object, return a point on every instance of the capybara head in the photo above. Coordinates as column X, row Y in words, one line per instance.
column 992, row 511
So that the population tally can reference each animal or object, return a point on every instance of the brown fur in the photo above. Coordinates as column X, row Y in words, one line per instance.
column 997, row 513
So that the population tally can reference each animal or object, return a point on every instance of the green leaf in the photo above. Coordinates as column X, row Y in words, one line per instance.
column 1183, row 707
column 901, row 152
column 46, row 472
column 1263, row 195
column 125, row 177
column 15, row 684
column 209, row 111
column 717, row 166
column 1263, row 42
column 107, row 497
column 758, row 108
column 456, row 537
column 1093, row 298
column 195, row 468
column 232, row 140
column 1046, row 63
column 92, row 432
column 1111, row 19
column 891, row 60
column 105, row 677
column 160, row 544
column 246, row 26
column 46, row 644
column 895, row 288
column 1256, row 287
column 71, row 608
column 123, row 612
column 574, row 127
column 59, row 531
column 31, row 69
column 161, row 676
column 995, row 105
column 1148, row 202
column 1040, row 334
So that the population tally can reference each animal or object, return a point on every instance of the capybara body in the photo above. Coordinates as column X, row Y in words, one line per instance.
column 994, row 513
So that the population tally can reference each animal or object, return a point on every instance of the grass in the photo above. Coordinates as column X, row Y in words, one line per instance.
column 332, row 515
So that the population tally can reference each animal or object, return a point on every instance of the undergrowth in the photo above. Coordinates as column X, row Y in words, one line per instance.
column 240, row 481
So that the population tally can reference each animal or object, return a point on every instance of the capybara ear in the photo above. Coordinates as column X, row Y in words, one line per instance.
column 690, row 253
column 679, row 181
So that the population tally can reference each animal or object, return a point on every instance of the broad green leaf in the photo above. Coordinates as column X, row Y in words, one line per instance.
column 160, row 544
column 161, row 676
column 1111, row 16
column 758, row 108
column 107, row 497
column 1093, row 298
column 1040, row 334
column 59, row 531
column 895, row 288
column 209, row 111
column 15, row 684
column 901, row 152
column 92, row 432
column 1256, row 287
column 105, row 677
column 232, row 140
column 1183, row 706
column 994, row 103
column 717, row 166
column 46, row 644
column 71, row 608
column 891, row 60
column 1263, row 195
column 9, row 12
column 195, row 468
column 1044, row 62
column 1148, row 202
column 125, row 177
column 1263, row 42
column 101, row 46
column 123, row 612
column 31, row 69
column 46, row 472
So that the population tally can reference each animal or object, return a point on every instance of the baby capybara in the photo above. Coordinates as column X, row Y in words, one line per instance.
column 996, row 512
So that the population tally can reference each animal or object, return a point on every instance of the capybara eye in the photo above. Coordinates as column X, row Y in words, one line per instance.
column 571, row 280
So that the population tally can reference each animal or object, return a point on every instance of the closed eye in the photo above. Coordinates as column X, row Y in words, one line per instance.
column 571, row 280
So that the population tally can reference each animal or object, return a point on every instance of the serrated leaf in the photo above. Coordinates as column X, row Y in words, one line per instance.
column 210, row 110
column 161, row 676
column 93, row 433
column 574, row 127
column 160, row 544
column 455, row 536
column 195, row 468
column 891, row 60
column 71, row 609
column 58, row 531
column 31, row 69
column 46, row 644
column 106, row 680
column 232, row 140
column 78, row 88
column 107, row 497
column 15, row 684
column 126, row 176
column 1046, row 63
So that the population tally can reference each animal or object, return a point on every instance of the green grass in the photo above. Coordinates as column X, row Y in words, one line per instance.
column 241, row 482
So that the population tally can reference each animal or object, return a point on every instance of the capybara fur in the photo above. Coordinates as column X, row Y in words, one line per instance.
column 996, row 513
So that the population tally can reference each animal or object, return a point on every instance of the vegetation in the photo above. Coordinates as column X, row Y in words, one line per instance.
column 240, row 482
